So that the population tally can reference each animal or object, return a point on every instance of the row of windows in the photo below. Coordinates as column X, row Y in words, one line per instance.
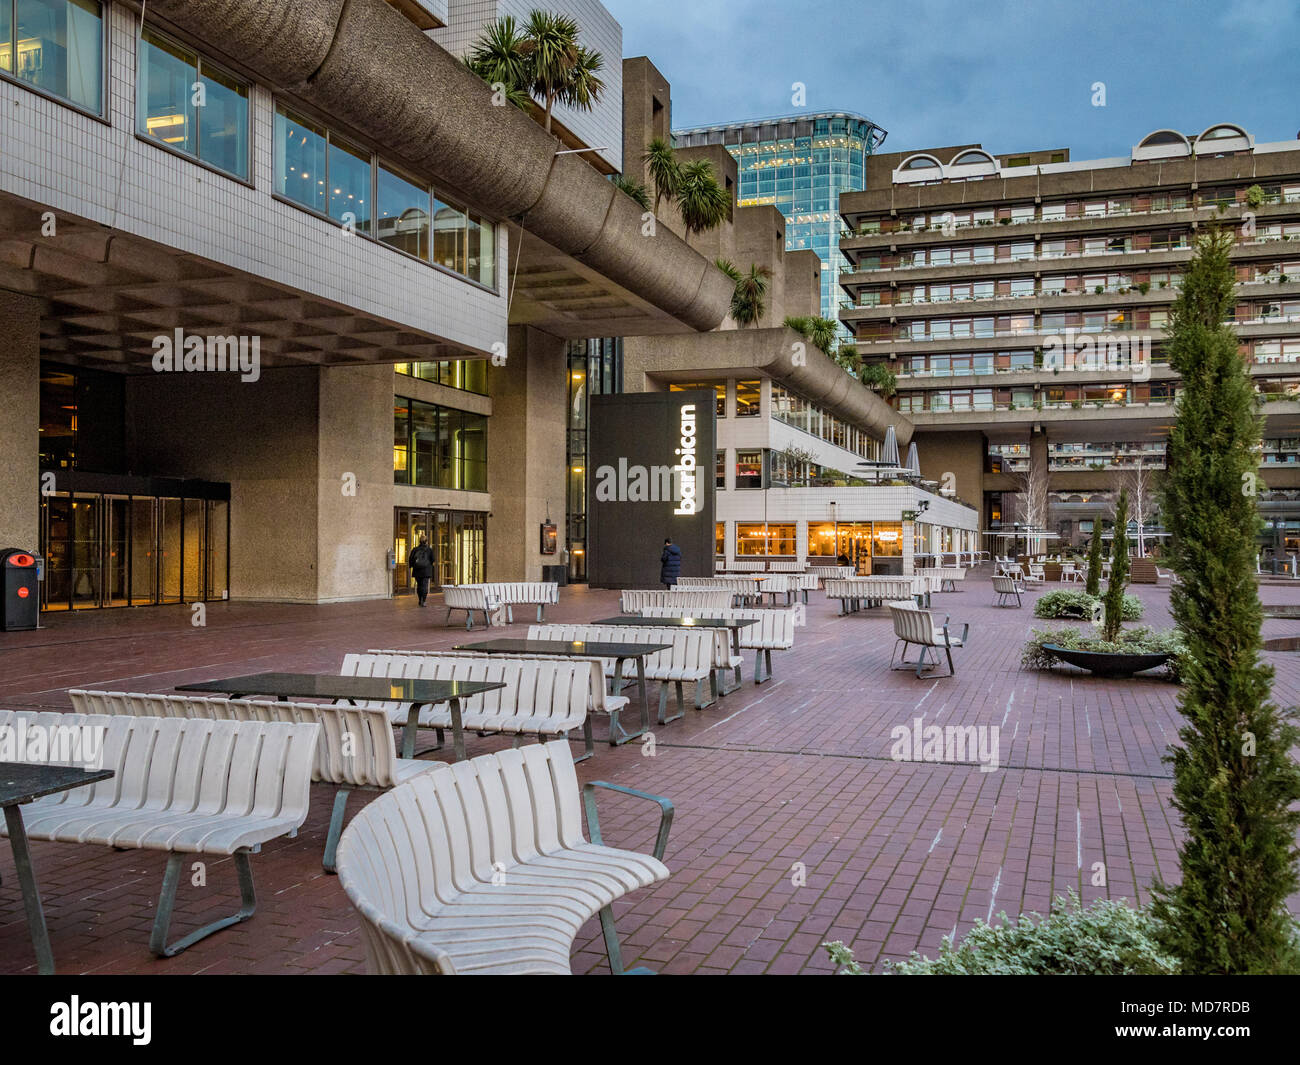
column 1026, row 397
column 439, row 447
column 469, row 375
column 748, row 396
column 826, row 540
column 796, row 411
column 192, row 106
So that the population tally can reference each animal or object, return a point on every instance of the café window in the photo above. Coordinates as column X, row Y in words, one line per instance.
column 821, row 539
column 56, row 46
column 758, row 538
column 747, row 398
column 720, row 538
column 192, row 106
column 749, row 469
column 719, row 389
column 887, row 538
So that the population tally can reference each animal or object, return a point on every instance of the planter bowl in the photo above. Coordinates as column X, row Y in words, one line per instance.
column 1107, row 664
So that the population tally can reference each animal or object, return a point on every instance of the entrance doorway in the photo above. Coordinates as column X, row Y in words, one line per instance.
column 105, row 549
column 458, row 539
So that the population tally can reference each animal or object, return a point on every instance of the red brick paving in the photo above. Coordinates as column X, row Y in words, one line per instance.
column 793, row 775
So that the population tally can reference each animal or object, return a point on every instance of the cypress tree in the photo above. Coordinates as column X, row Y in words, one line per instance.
column 1114, row 598
column 1234, row 778
column 1093, row 587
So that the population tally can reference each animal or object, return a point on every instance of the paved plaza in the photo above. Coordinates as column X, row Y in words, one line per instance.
column 794, row 825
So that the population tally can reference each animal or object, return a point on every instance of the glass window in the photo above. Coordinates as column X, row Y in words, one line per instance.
column 192, row 106
column 482, row 250
column 6, row 36
column 720, row 468
column 747, row 399
column 719, row 538
column 757, row 538
column 348, row 177
column 887, row 538
column 749, row 469
column 401, row 442
column 402, row 214
column 300, row 160
column 450, row 236
column 471, row 452
column 60, row 49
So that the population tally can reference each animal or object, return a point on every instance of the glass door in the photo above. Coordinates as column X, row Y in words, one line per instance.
column 171, row 536
column 117, row 551
column 56, row 527
column 87, row 558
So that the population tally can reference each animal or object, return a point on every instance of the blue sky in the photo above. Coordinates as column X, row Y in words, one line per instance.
column 1013, row 75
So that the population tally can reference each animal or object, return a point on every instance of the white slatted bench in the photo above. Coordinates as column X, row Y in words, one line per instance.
column 832, row 573
column 690, row 658
column 355, row 749
column 484, row 869
column 745, row 589
column 786, row 567
column 511, row 594
column 778, row 584
column 743, row 566
column 184, row 787
column 805, row 583
column 635, row 600
column 469, row 598
column 856, row 592
column 600, row 701
column 912, row 625
column 542, row 698
column 947, row 576
column 775, row 632
column 1006, row 587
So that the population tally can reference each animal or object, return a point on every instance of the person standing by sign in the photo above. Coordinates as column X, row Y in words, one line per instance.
column 670, row 563
column 421, row 564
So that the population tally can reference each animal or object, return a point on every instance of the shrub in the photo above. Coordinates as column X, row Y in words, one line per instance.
column 1094, row 559
column 1106, row 938
column 1075, row 604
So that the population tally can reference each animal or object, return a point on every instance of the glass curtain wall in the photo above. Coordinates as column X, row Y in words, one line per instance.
column 595, row 368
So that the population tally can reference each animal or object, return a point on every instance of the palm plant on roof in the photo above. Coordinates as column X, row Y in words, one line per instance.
column 561, row 68
column 703, row 202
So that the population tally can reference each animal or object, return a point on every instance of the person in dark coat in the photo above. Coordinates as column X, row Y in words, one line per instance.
column 670, row 563
column 420, row 564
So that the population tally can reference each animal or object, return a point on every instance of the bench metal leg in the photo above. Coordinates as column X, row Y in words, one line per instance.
column 31, row 895
column 761, row 674
column 510, row 613
column 612, row 950
column 663, row 702
column 617, row 734
column 540, row 610
column 447, row 619
column 167, row 901
column 767, row 662
column 336, row 829
column 588, row 745
column 700, row 702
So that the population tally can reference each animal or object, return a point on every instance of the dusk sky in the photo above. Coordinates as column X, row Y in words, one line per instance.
column 1010, row 74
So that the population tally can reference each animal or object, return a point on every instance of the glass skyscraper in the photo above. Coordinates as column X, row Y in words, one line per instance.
column 800, row 164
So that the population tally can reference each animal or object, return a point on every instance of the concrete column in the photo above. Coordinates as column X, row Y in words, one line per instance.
column 20, row 370
column 355, row 482
column 526, row 453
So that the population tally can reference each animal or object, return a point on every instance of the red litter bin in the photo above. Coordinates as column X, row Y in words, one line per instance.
column 19, row 591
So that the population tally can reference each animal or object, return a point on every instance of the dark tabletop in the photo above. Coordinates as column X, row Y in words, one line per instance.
column 573, row 648
column 20, row 782
column 332, row 686
column 683, row 623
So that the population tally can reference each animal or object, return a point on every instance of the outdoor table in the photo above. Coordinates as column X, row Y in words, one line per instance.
column 416, row 692
column 22, row 783
column 734, row 624
column 620, row 652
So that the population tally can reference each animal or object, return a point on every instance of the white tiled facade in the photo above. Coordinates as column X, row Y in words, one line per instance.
column 101, row 171
column 602, row 126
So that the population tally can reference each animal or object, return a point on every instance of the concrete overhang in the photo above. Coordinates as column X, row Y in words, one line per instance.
column 106, row 295
column 368, row 68
column 771, row 353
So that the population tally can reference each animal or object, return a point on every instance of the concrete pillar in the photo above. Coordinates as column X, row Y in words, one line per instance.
column 526, row 449
column 355, row 477
column 20, row 370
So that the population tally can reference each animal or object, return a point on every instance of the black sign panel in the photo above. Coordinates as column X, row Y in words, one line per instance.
column 650, row 475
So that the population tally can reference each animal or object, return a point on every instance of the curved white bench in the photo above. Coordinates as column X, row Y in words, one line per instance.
column 484, row 869
column 635, row 600
column 690, row 658
column 185, row 787
column 469, row 598
column 831, row 573
column 775, row 632
column 511, row 594
column 355, row 749
column 948, row 576
column 743, row 588
column 856, row 592
column 600, row 702
column 912, row 625
column 543, row 698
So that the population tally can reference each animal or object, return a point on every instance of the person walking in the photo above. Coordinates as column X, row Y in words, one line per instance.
column 420, row 563
column 670, row 563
